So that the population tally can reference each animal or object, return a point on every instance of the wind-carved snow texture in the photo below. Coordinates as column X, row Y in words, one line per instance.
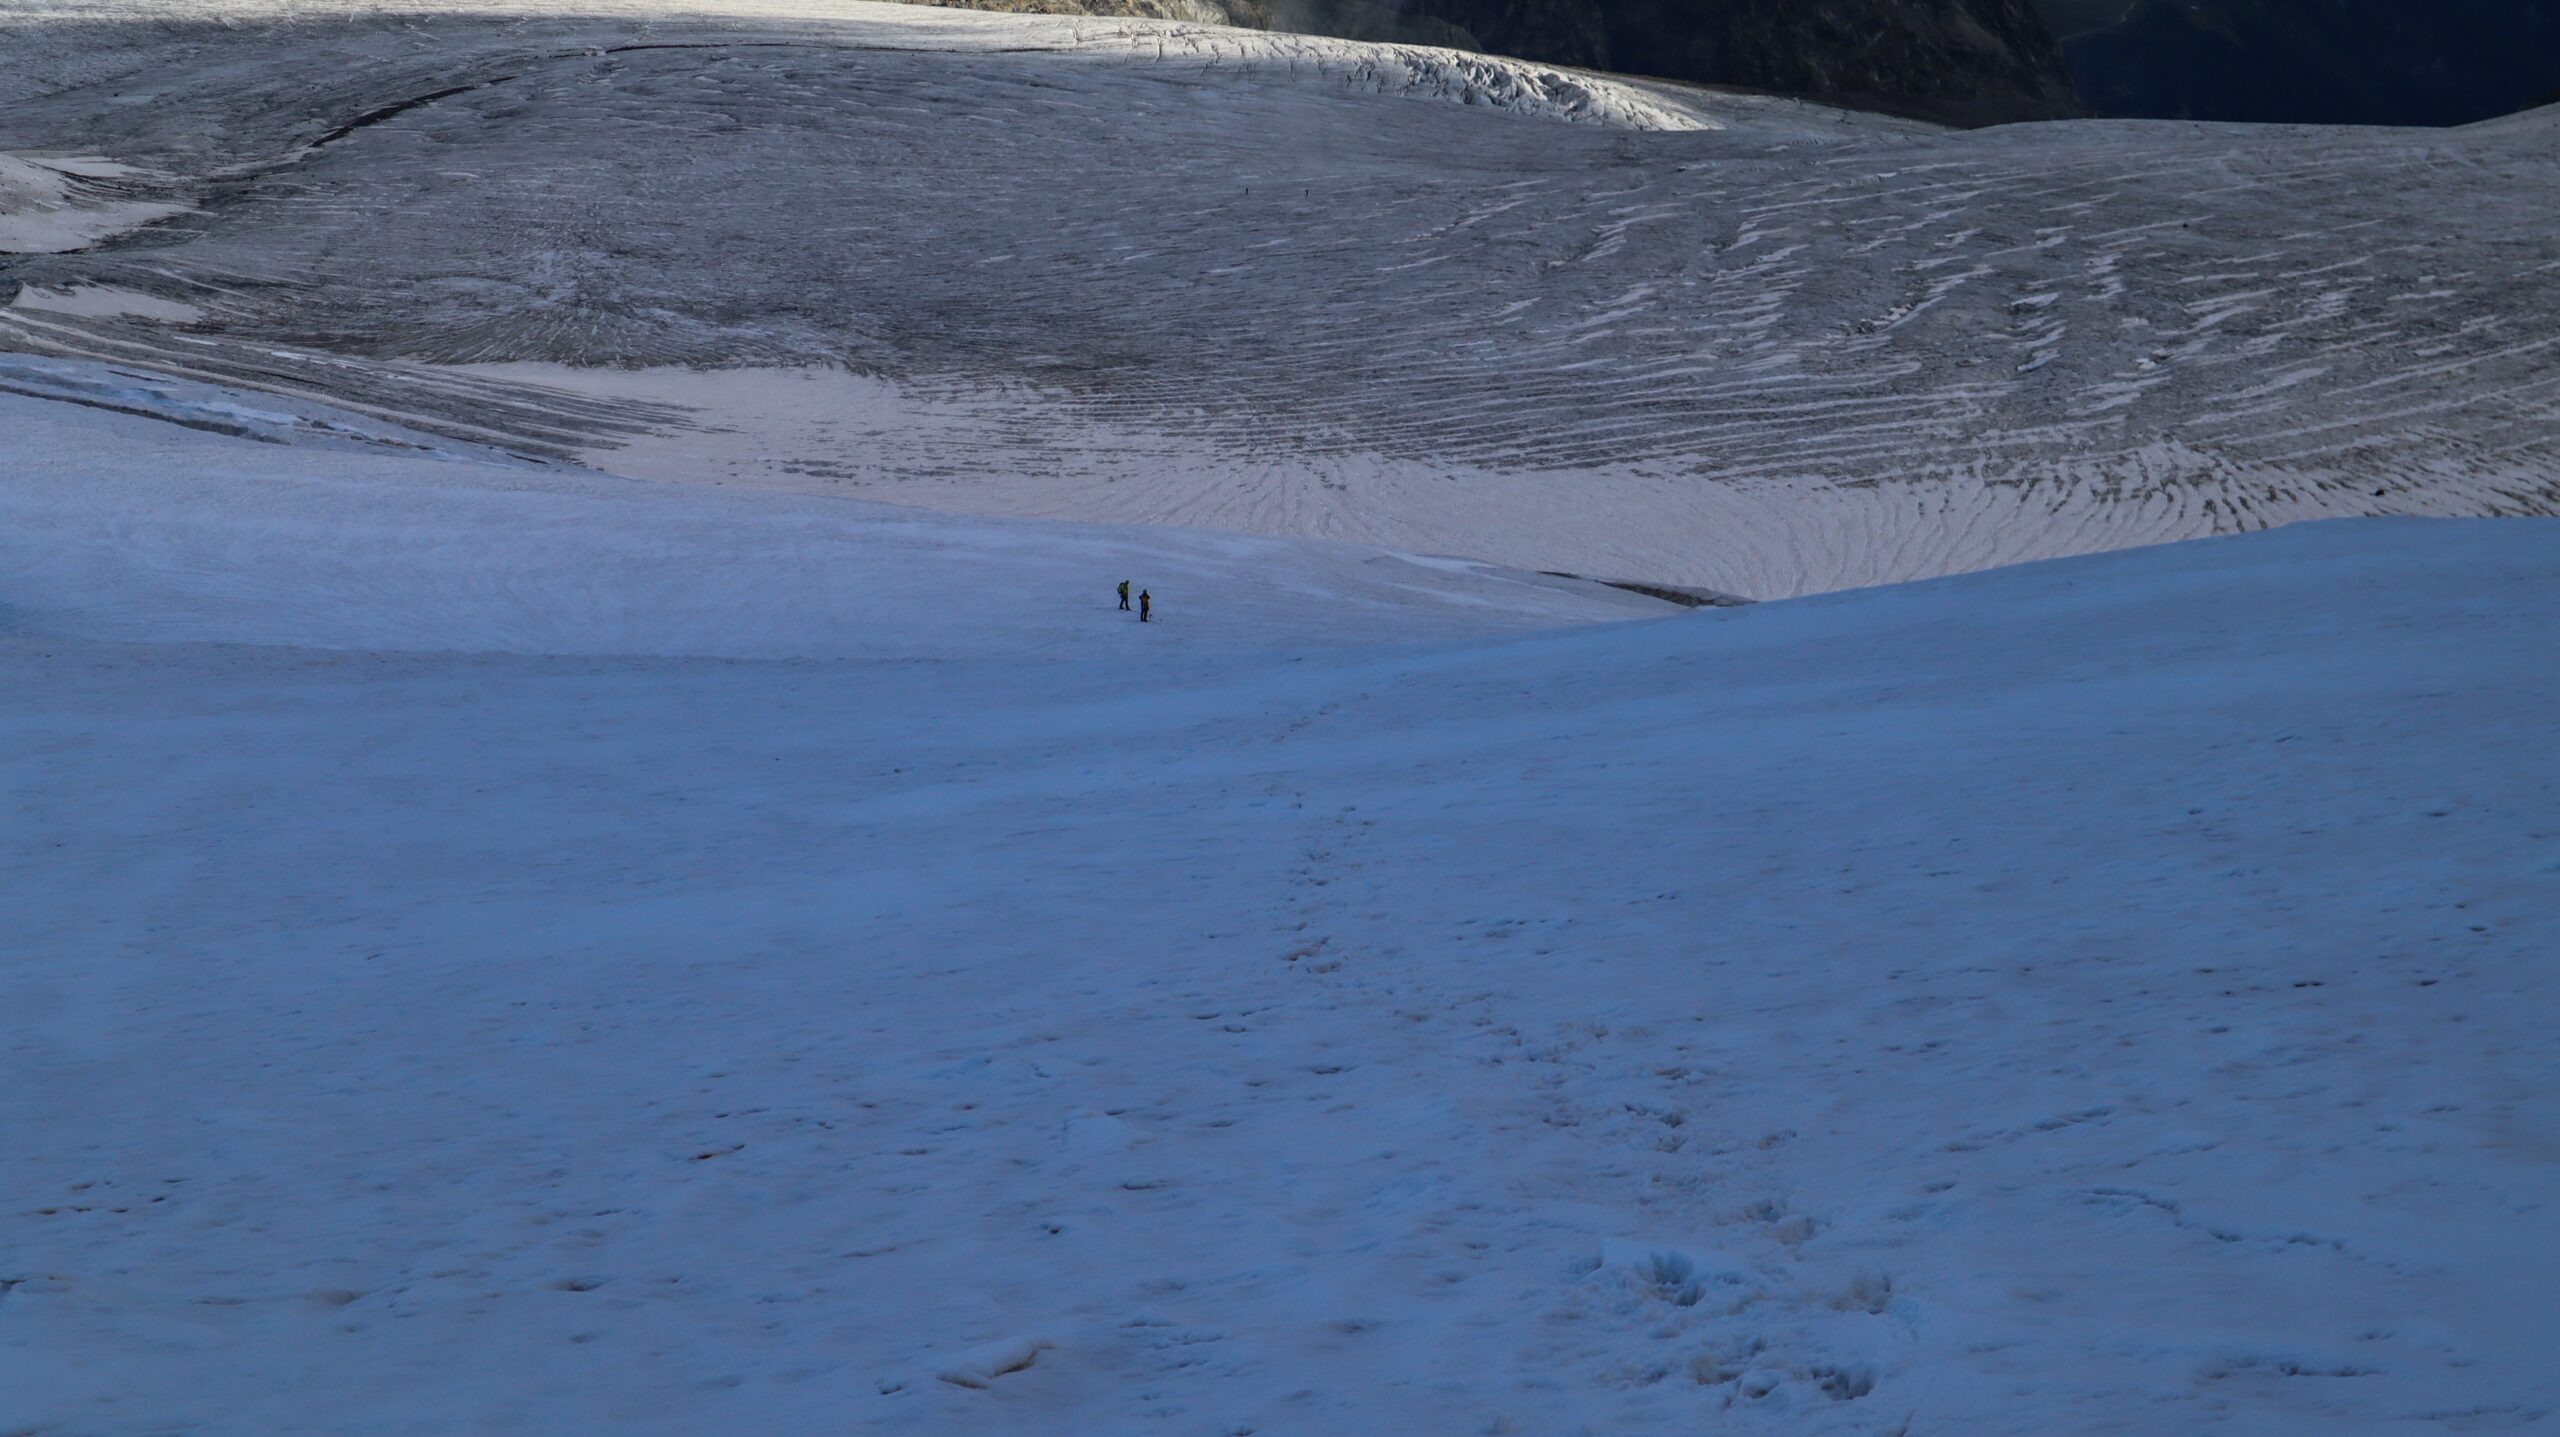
column 1156, row 272
column 55, row 204
column 502, row 949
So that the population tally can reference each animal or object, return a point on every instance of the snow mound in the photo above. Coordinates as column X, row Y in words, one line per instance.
column 980, row 1366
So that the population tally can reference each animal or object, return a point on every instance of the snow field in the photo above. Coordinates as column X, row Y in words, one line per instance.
column 487, row 945
column 1157, row 273
column 2101, row 995
column 121, row 527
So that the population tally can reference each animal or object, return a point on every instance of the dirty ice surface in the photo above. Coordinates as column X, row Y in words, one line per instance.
column 494, row 951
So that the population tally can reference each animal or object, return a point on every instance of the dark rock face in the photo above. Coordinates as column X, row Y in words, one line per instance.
column 2375, row 62
column 1968, row 61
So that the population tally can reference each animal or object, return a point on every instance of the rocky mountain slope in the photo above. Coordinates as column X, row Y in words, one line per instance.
column 1964, row 60
column 2384, row 62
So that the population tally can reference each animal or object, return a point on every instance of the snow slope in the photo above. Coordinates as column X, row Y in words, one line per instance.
column 1144, row 272
column 493, row 950
column 142, row 530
